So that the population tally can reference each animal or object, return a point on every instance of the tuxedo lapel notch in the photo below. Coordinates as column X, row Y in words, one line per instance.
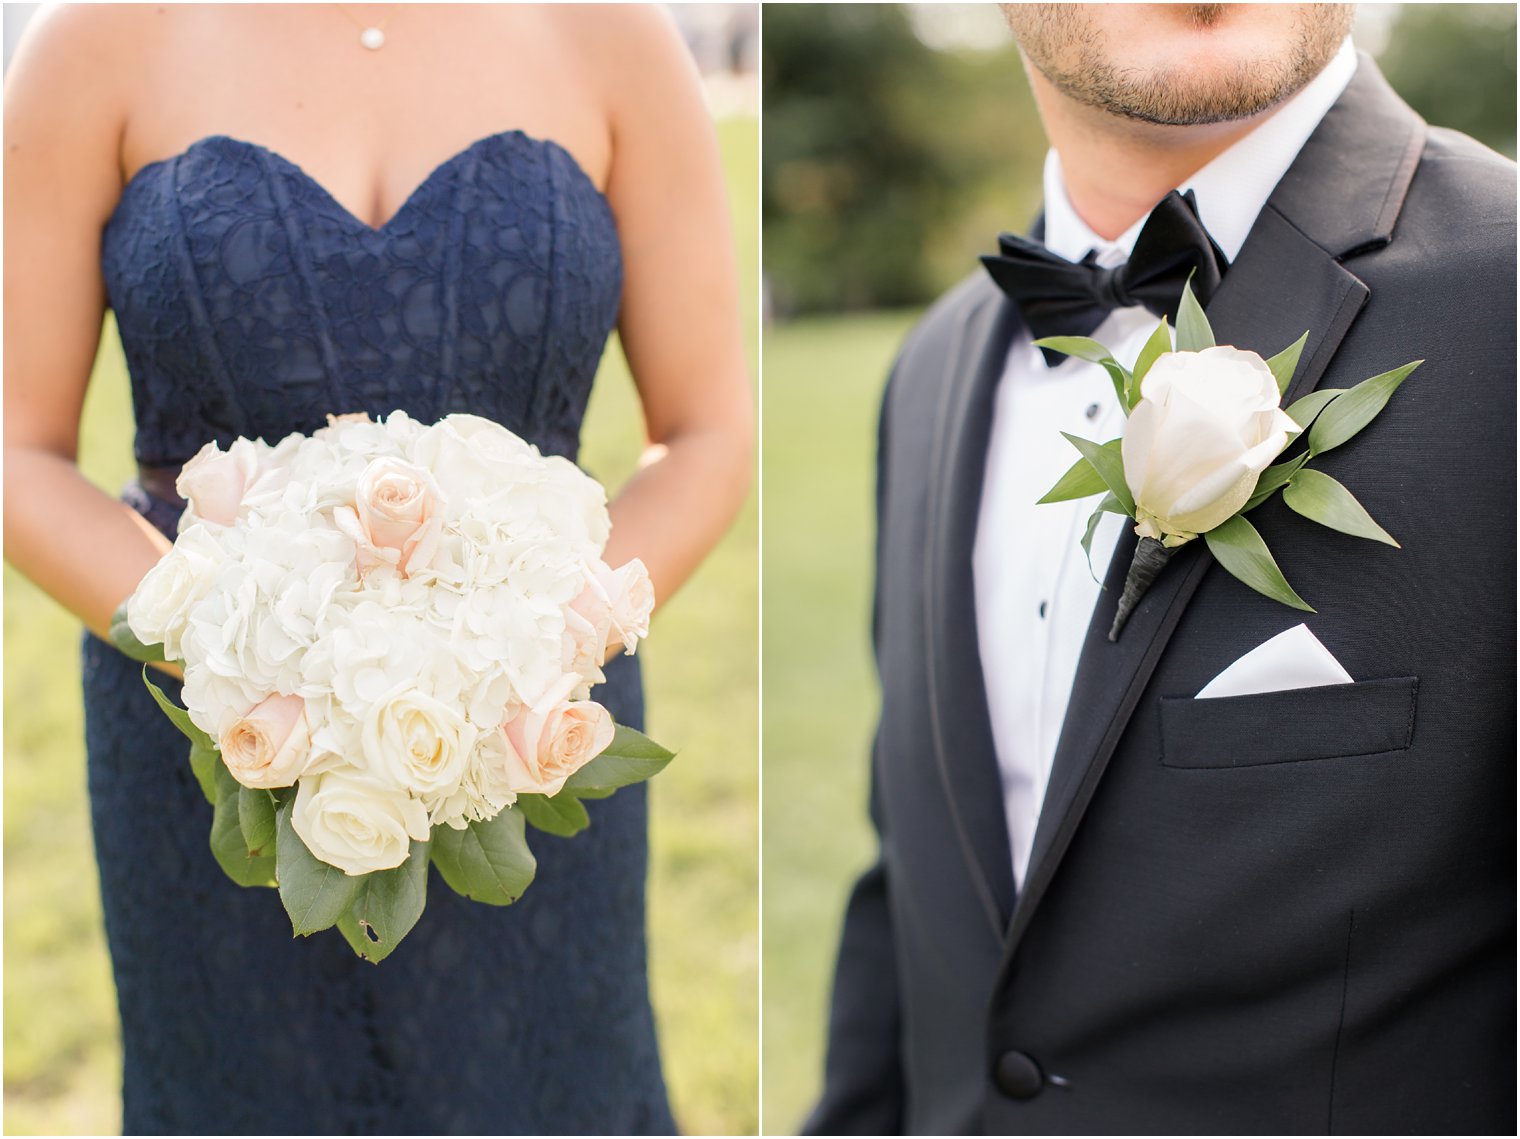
column 1286, row 279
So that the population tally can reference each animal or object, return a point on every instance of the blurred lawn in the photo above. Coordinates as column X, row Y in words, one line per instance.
column 62, row 1049
column 823, row 379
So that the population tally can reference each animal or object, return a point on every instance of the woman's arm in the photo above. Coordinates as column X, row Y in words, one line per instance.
column 63, row 120
column 680, row 327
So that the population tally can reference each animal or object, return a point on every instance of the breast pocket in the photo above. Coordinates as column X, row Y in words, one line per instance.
column 1366, row 718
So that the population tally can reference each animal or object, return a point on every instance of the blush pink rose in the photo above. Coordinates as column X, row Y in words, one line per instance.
column 632, row 595
column 397, row 516
column 611, row 611
column 216, row 483
column 545, row 748
column 270, row 744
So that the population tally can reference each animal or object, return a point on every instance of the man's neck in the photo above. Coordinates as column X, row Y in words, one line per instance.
column 1117, row 169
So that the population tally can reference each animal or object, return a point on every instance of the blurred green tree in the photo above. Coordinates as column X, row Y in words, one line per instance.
column 1455, row 64
column 889, row 165
column 850, row 188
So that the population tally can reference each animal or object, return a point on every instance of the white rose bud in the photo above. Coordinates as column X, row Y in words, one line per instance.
column 356, row 825
column 270, row 745
column 1207, row 424
column 411, row 740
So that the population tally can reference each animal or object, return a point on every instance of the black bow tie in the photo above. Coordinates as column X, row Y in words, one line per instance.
column 1058, row 297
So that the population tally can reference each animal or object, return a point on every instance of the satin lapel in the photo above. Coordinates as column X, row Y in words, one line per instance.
column 1286, row 279
column 962, row 730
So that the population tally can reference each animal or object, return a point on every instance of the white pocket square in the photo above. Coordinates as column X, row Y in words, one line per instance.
column 1292, row 659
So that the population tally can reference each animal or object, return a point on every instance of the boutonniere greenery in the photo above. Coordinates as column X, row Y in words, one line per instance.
column 1204, row 426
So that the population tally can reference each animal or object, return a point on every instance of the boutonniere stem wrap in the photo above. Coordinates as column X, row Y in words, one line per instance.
column 1202, row 447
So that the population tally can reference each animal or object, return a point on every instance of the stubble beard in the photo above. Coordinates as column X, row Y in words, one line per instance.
column 1072, row 54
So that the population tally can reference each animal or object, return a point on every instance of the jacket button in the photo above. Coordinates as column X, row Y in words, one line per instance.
column 1018, row 1075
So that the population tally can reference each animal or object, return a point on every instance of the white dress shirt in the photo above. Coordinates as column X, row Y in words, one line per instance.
column 1034, row 591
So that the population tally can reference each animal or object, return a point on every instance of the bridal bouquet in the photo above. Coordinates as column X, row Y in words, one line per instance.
column 389, row 633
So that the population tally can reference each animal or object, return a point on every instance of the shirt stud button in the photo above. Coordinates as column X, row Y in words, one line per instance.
column 1042, row 608
column 1092, row 411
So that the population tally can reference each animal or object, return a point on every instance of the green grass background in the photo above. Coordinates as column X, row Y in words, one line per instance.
column 823, row 380
column 62, row 1047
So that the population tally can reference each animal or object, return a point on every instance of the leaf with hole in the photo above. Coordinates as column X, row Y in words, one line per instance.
column 386, row 906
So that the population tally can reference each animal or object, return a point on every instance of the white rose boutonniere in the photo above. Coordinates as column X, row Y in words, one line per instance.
column 1205, row 424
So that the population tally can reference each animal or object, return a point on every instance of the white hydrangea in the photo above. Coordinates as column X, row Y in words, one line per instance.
column 495, row 609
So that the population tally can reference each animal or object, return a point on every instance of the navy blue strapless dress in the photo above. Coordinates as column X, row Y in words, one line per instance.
column 250, row 302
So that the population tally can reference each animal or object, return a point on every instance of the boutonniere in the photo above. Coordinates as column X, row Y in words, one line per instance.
column 1205, row 423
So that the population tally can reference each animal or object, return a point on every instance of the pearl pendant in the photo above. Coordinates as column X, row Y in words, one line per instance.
column 372, row 38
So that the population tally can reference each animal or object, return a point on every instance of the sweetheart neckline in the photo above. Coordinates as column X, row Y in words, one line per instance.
column 416, row 192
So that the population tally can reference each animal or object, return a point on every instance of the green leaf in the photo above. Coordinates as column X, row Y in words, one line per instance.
column 1109, row 505
column 1085, row 348
column 1193, row 331
column 1108, row 461
column 1237, row 546
column 126, row 641
column 256, row 819
column 1080, row 481
column 1285, row 362
column 1082, row 347
column 1273, row 478
column 386, row 906
column 205, row 762
column 227, row 836
column 1355, row 409
column 1160, row 342
column 489, row 862
column 204, row 756
column 560, row 814
column 632, row 757
column 1304, row 411
column 314, row 894
column 1321, row 499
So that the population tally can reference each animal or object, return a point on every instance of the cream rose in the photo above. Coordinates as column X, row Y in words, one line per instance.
column 397, row 516
column 545, row 748
column 357, row 825
column 160, row 606
column 1207, row 424
column 411, row 740
column 269, row 745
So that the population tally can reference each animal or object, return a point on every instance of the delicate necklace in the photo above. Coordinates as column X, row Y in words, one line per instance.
column 371, row 36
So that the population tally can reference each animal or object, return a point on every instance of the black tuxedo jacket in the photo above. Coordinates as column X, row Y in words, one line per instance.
column 1281, row 913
